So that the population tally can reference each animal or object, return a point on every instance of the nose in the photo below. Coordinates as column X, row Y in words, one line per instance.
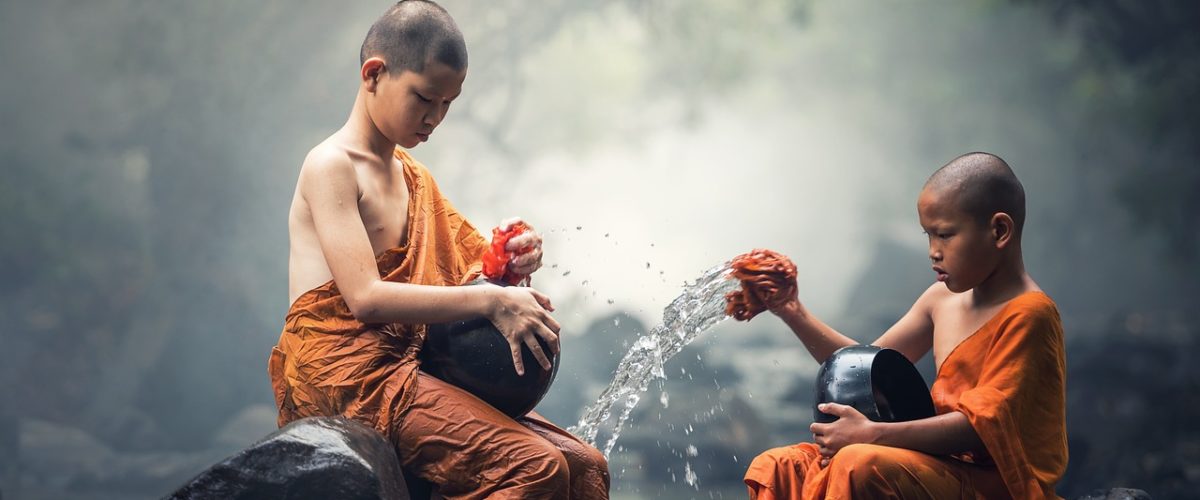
column 935, row 253
column 435, row 116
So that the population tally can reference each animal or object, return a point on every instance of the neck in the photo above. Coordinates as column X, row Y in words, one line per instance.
column 1007, row 281
column 362, row 131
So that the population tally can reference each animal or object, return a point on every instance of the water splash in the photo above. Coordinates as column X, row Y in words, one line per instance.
column 698, row 308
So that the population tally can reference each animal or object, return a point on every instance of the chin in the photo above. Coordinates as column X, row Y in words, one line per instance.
column 954, row 287
column 409, row 143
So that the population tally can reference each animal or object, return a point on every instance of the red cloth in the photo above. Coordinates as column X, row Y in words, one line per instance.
column 496, row 259
column 768, row 281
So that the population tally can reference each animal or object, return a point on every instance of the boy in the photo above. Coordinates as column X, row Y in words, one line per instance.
column 376, row 254
column 1000, row 428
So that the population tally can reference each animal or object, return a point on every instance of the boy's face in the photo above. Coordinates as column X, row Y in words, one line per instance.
column 963, row 251
column 407, row 107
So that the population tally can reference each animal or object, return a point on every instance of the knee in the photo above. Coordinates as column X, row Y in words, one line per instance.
column 790, row 457
column 542, row 464
column 865, row 469
column 859, row 457
column 590, row 458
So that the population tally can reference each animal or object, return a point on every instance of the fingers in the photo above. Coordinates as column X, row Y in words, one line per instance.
column 515, row 348
column 544, row 301
column 526, row 263
column 819, row 429
column 507, row 223
column 826, row 452
column 523, row 240
column 551, row 337
column 837, row 410
column 824, row 463
column 536, row 348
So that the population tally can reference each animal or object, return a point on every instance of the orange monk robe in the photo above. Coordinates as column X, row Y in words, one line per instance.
column 327, row 363
column 1008, row 378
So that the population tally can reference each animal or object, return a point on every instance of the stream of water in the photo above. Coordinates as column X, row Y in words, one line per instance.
column 698, row 308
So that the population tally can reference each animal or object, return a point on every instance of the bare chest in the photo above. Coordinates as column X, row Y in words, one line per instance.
column 384, row 210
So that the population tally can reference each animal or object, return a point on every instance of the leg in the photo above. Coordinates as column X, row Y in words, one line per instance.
column 471, row 450
column 872, row 471
column 780, row 472
column 589, row 469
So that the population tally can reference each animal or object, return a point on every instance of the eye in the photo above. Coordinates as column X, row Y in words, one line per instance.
column 422, row 98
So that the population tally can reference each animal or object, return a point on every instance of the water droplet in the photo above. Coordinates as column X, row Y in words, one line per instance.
column 567, row 273
column 617, row 321
column 692, row 451
column 578, row 228
column 664, row 399
column 605, row 235
column 585, row 283
column 553, row 266
column 611, row 301
column 647, row 265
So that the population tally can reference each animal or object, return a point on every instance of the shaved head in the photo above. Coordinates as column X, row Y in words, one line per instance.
column 412, row 33
column 980, row 184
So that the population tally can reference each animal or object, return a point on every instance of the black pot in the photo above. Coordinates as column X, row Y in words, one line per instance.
column 473, row 355
column 880, row 383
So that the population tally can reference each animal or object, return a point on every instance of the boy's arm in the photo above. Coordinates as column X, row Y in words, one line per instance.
column 912, row 335
column 330, row 190
column 820, row 339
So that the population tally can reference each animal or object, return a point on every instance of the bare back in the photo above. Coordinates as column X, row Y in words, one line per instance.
column 379, row 213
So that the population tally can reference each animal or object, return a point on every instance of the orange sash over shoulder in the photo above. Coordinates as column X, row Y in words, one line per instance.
column 1009, row 379
column 328, row 363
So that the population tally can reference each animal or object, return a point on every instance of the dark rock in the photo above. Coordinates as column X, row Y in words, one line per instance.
column 313, row 458
column 1116, row 494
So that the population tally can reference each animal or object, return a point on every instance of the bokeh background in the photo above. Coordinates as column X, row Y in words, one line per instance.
column 150, row 151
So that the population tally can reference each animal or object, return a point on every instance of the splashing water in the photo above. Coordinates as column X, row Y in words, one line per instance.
column 698, row 308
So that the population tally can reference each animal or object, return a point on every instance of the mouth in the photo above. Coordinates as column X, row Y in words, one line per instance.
column 941, row 274
column 423, row 136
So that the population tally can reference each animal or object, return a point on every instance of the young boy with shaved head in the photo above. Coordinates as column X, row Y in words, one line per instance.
column 997, row 341
column 377, row 253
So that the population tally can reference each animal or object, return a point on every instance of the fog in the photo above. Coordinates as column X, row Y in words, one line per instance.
column 150, row 152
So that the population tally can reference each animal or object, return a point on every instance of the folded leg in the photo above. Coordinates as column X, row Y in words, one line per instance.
column 470, row 450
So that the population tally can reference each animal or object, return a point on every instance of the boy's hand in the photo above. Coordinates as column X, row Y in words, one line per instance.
column 851, row 427
column 523, row 264
column 522, row 315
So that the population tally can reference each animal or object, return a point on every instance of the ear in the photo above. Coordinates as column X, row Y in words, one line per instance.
column 1003, row 229
column 371, row 72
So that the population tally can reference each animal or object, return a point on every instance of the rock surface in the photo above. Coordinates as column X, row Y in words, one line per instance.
column 313, row 458
column 1116, row 494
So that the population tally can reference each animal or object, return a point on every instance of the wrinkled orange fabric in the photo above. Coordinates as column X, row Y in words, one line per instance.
column 1008, row 378
column 327, row 363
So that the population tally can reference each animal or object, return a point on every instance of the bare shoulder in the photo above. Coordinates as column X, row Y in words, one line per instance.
column 327, row 162
column 934, row 297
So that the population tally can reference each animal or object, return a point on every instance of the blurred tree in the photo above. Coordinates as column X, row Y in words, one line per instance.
column 1146, row 55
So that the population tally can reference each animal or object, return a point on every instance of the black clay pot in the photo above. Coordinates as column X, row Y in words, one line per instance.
column 474, row 356
column 880, row 383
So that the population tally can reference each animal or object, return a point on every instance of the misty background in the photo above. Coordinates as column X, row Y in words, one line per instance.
column 150, row 150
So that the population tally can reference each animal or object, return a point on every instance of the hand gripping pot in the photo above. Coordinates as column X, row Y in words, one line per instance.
column 880, row 383
column 473, row 355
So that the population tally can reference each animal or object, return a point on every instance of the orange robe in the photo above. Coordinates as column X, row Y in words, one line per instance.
column 327, row 363
column 1008, row 378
